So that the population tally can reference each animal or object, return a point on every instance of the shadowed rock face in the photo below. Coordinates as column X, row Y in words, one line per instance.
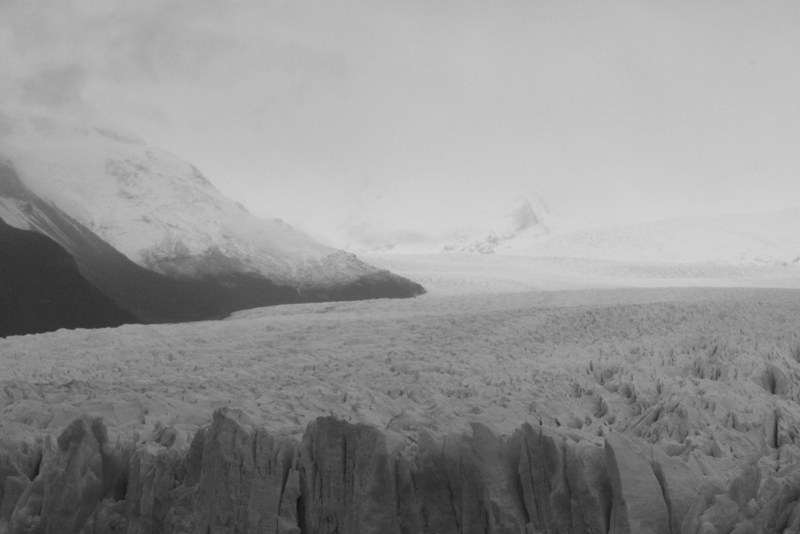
column 354, row 478
column 41, row 288
column 378, row 285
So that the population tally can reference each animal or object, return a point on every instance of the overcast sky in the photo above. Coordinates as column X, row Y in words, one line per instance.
column 618, row 111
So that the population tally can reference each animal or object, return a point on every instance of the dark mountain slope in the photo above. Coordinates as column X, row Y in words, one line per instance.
column 41, row 288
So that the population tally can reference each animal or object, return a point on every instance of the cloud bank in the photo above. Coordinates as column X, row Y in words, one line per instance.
column 623, row 111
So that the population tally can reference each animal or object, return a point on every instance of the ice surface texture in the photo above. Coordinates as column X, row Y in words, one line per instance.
column 663, row 410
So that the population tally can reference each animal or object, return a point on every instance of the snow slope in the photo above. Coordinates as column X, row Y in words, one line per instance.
column 158, row 210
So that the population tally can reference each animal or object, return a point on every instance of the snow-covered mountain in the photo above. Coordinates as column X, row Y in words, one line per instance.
column 377, row 224
column 496, row 228
column 158, row 210
column 108, row 198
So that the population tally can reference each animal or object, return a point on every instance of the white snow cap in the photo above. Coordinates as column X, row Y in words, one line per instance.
column 147, row 203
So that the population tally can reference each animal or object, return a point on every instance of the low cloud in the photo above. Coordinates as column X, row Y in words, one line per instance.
column 54, row 53
column 627, row 110
column 56, row 88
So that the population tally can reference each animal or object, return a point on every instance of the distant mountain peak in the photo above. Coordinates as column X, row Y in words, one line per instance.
column 524, row 216
column 381, row 221
column 509, row 220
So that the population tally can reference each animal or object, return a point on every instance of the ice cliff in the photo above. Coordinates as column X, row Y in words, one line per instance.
column 355, row 478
